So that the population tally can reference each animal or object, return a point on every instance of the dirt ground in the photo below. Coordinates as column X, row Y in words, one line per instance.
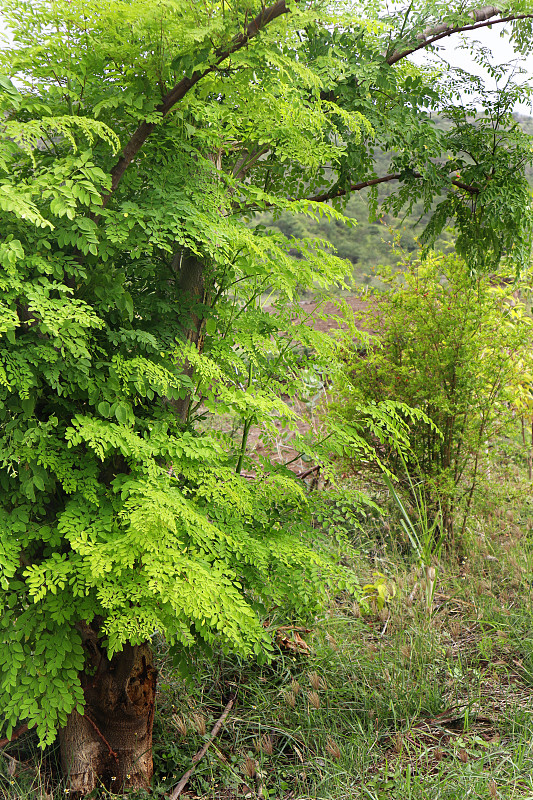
column 331, row 309
column 323, row 316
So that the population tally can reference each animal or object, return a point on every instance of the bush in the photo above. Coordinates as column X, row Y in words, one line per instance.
column 456, row 348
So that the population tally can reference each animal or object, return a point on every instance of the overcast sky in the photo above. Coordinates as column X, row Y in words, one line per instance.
column 502, row 51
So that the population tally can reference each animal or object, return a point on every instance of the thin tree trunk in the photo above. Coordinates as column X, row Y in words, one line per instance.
column 192, row 288
column 530, row 456
column 110, row 745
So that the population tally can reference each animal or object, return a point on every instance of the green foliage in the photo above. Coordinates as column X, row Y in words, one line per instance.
column 116, row 512
column 455, row 348
column 423, row 535
column 137, row 139
column 454, row 160
column 424, row 529
column 380, row 592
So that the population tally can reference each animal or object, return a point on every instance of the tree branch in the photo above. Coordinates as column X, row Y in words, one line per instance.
column 240, row 40
column 247, row 161
column 15, row 735
column 482, row 18
column 396, row 176
column 355, row 187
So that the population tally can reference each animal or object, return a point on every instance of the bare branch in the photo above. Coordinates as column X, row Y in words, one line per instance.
column 396, row 176
column 482, row 18
column 355, row 187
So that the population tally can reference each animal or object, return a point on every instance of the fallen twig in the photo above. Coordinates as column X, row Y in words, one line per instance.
column 307, row 472
column 15, row 735
column 201, row 753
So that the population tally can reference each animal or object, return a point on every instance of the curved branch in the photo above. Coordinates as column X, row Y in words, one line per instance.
column 482, row 18
column 355, row 187
column 240, row 40
column 395, row 176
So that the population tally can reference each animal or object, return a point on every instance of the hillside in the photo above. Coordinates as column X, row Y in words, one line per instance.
column 369, row 243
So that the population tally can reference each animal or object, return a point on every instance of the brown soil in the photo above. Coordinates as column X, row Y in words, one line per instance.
column 323, row 316
column 332, row 309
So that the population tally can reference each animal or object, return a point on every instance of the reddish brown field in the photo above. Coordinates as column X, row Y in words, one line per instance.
column 323, row 316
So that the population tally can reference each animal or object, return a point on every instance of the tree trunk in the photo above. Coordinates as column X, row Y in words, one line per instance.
column 111, row 744
column 192, row 288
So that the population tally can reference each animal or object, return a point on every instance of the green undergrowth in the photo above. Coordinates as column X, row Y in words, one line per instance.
column 399, row 703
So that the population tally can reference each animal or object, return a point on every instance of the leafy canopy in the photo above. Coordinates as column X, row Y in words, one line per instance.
column 138, row 138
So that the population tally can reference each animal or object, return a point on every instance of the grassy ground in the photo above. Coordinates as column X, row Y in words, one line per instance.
column 400, row 704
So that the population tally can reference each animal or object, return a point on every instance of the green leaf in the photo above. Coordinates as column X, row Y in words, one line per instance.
column 38, row 482
column 104, row 408
column 122, row 412
column 8, row 86
column 28, row 405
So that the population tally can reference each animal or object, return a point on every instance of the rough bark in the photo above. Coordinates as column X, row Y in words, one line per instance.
column 111, row 744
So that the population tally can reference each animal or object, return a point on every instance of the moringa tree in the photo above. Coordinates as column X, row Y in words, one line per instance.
column 137, row 139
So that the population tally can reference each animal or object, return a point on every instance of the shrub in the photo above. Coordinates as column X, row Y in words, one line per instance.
column 454, row 347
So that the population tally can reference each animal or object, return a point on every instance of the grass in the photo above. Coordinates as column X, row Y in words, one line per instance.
column 399, row 704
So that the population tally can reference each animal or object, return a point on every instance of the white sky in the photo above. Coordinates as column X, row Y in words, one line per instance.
column 502, row 52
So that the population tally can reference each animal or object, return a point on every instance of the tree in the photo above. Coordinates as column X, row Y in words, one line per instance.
column 137, row 140
column 456, row 348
